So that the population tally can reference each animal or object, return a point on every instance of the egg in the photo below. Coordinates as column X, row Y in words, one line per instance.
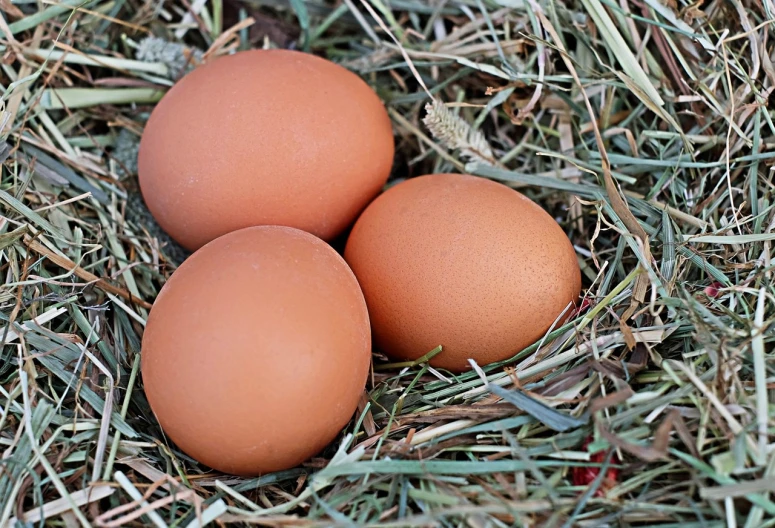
column 264, row 137
column 462, row 262
column 256, row 351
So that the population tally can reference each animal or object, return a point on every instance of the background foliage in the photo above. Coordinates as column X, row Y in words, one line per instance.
column 643, row 126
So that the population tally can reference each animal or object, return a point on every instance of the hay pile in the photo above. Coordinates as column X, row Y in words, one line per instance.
column 642, row 126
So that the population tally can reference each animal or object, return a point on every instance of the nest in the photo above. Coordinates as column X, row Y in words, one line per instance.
column 642, row 126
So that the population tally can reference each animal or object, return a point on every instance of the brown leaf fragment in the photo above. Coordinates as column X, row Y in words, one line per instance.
column 461, row 412
column 652, row 453
column 566, row 380
column 610, row 400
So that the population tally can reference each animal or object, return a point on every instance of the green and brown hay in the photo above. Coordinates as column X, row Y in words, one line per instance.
column 543, row 95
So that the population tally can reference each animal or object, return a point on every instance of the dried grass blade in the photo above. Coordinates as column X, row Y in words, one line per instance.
column 551, row 418
column 69, row 265
column 59, row 506
column 621, row 50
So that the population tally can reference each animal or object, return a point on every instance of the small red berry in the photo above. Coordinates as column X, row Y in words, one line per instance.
column 585, row 475
column 582, row 307
column 713, row 289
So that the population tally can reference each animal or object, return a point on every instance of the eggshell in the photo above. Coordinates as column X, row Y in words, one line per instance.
column 462, row 262
column 264, row 137
column 256, row 351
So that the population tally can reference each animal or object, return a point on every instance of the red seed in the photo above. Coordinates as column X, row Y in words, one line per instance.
column 585, row 475
column 713, row 290
column 582, row 307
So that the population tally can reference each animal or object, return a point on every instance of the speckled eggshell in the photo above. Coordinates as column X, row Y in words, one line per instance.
column 256, row 351
column 264, row 137
column 462, row 262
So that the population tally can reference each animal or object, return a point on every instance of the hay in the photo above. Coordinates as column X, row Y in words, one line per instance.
column 642, row 126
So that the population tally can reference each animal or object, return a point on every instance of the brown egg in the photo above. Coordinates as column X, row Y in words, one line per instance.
column 462, row 262
column 257, row 349
column 264, row 137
